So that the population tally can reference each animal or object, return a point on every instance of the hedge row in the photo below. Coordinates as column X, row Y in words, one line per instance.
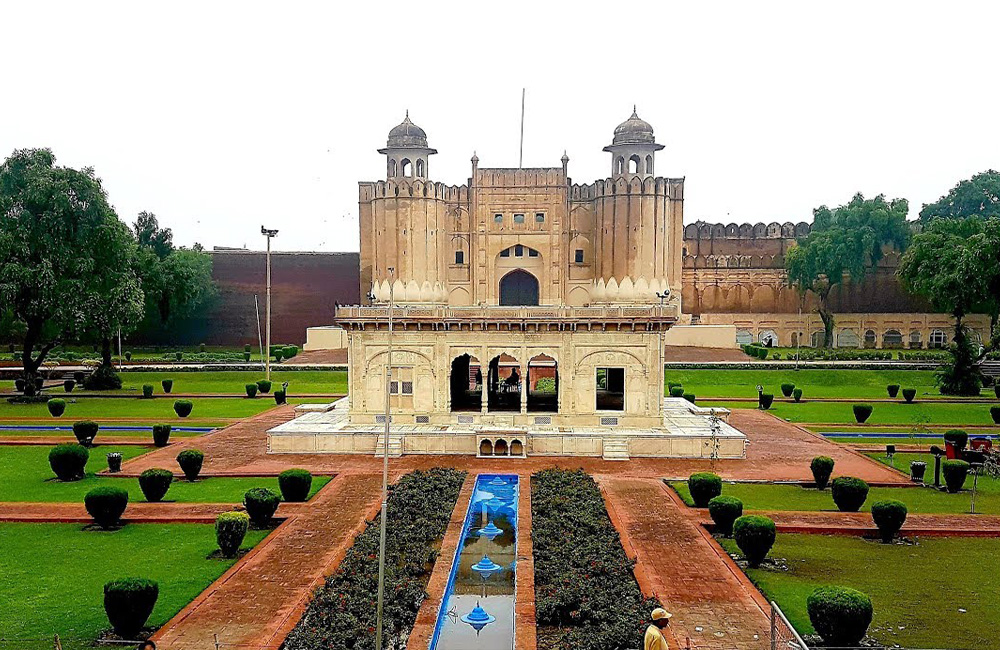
column 586, row 596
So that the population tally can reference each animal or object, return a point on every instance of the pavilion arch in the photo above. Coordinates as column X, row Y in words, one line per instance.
column 420, row 168
column 916, row 341
column 392, row 169
column 818, row 338
column 892, row 339
column 406, row 167
column 503, row 384
column 938, row 339
column 516, row 447
column 847, row 338
column 543, row 384
column 500, row 448
column 870, row 338
column 649, row 164
column 620, row 165
column 466, row 384
column 486, row 447
column 634, row 164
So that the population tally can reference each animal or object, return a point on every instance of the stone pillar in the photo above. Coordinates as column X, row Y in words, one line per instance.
column 524, row 388
column 484, row 365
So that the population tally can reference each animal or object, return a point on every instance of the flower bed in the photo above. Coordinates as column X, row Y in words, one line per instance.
column 586, row 596
column 342, row 613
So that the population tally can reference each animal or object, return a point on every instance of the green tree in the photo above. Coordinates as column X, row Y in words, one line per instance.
column 846, row 242
column 978, row 196
column 61, row 254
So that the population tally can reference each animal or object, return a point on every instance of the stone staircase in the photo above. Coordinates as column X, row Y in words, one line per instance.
column 615, row 448
column 395, row 446
column 991, row 368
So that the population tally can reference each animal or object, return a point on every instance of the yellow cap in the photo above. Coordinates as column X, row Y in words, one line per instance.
column 659, row 613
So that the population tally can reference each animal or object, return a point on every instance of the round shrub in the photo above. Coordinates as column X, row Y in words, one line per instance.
column 849, row 493
column 295, row 484
column 69, row 461
column 765, row 400
column 892, row 389
column 106, row 504
column 19, row 385
column 754, row 535
column 277, row 356
column 69, row 385
column 689, row 397
column 247, row 348
column 821, row 468
column 178, row 355
column 191, row 461
column 862, row 412
column 909, row 394
column 230, row 529
column 155, row 482
column 183, row 408
column 167, row 384
column 147, row 391
column 704, row 486
column 889, row 515
column 202, row 348
column 677, row 391
column 128, row 602
column 56, row 407
column 840, row 616
column 955, row 472
column 261, row 503
column 264, row 386
column 958, row 438
column 724, row 511
column 279, row 397
column 786, row 389
column 85, row 431
column 246, row 357
column 797, row 394
column 996, row 390
column 995, row 414
column 79, row 376
column 161, row 434
column 290, row 351
column 128, row 356
column 251, row 390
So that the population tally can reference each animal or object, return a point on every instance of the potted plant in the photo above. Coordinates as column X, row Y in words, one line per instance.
column 917, row 470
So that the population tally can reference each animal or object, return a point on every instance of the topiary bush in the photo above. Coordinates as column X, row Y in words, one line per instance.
column 295, row 484
column 69, row 385
column 190, row 461
column 786, row 389
column 955, row 472
column 821, row 468
column 840, row 615
column 765, row 400
column 128, row 356
column 155, row 482
column 909, row 394
column 995, row 414
column 277, row 356
column 290, row 351
column 689, row 397
column 85, row 432
column 128, row 602
column 279, row 397
column 892, row 389
column 56, row 407
column 704, row 486
column 724, row 511
column 264, row 385
column 69, row 461
column 849, row 493
column 183, row 408
column 958, row 438
column 862, row 412
column 79, row 376
column 996, row 390
column 797, row 394
column 230, row 529
column 178, row 355
column 167, row 384
column 889, row 515
column 754, row 535
column 251, row 390
column 247, row 348
column 103, row 378
column 106, row 505
column 261, row 504
column 161, row 434
column 677, row 391
column 246, row 357
column 147, row 391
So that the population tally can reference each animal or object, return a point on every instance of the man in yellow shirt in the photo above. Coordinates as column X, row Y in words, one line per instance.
column 655, row 638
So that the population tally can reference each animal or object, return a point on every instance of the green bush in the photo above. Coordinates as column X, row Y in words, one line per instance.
column 178, row 355
column 689, row 397
column 56, row 407
column 996, row 390
column 279, row 397
column 147, row 391
column 69, row 461
column 765, row 400
column 892, row 389
column 247, row 348
column 246, row 357
column 264, row 385
column 128, row 602
column 277, row 356
column 797, row 394
column 190, row 461
column 106, row 504
column 103, row 378
column 754, row 535
column 671, row 385
column 79, row 376
column 290, row 351
column 821, row 468
column 704, row 486
column 677, row 391
column 955, row 472
column 909, row 394
column 786, row 389
column 889, row 516
column 261, row 503
column 724, row 511
column 161, row 434
column 840, row 616
column 862, row 412
column 155, row 482
column 183, row 408
column 958, row 438
column 69, row 385
column 849, row 493
column 128, row 356
column 167, row 384
column 995, row 414
column 251, row 390
column 201, row 347
column 295, row 484
column 230, row 529
column 85, row 431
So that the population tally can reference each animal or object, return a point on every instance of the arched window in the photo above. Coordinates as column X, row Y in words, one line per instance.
column 406, row 167
column 818, row 338
column 420, row 168
column 869, row 338
column 768, row 338
column 620, row 165
column 392, row 168
column 938, row 339
column 915, row 342
column 649, row 164
column 892, row 339
column 633, row 164
column 744, row 337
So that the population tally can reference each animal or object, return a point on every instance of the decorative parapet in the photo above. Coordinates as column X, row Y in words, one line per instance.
column 639, row 314
column 774, row 230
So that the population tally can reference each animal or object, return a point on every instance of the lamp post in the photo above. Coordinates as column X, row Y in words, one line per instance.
column 269, row 233
column 385, row 476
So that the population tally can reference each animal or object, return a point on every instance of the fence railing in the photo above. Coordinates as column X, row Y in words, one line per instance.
column 783, row 635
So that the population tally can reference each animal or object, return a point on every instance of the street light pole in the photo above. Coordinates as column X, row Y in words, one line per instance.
column 267, row 356
column 385, row 476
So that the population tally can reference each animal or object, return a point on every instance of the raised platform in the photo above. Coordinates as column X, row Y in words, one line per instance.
column 687, row 432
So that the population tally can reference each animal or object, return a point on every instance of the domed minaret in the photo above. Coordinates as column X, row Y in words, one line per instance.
column 406, row 151
column 633, row 148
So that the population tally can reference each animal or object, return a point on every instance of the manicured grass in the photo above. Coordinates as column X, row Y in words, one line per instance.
column 885, row 413
column 161, row 408
column 938, row 593
column 860, row 384
column 25, row 475
column 54, row 575
column 67, row 432
column 300, row 382
column 877, row 442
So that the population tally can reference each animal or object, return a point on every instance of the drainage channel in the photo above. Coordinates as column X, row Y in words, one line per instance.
column 477, row 610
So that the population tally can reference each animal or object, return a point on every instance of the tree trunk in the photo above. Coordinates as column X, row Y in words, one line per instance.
column 827, row 318
column 106, row 360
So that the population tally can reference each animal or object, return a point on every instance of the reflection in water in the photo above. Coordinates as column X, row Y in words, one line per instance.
column 477, row 610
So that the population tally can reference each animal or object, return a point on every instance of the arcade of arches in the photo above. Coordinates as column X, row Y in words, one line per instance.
column 503, row 387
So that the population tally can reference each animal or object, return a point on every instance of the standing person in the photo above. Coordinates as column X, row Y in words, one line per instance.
column 655, row 638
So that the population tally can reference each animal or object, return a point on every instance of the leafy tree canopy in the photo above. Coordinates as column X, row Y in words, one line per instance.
column 978, row 196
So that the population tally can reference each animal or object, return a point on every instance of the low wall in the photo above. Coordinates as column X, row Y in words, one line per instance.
column 328, row 337
column 702, row 336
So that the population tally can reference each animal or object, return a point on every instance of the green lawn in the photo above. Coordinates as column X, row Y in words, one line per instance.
column 157, row 408
column 900, row 413
column 25, row 475
column 878, row 442
column 54, row 576
column 67, row 433
column 861, row 384
column 939, row 593
column 300, row 382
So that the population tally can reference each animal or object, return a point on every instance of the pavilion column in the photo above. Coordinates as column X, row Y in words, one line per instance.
column 524, row 389
column 484, row 365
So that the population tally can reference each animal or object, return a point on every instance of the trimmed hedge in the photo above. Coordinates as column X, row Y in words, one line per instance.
column 56, row 407
column 892, row 389
column 677, row 391
column 689, row 397
column 786, row 389
column 295, row 484
column 106, row 505
column 958, row 438
column 704, row 486
column 230, row 529
column 955, row 473
column 909, row 394
column 765, row 400
column 279, row 397
column 183, row 408
column 995, row 414
column 251, row 390
column 862, row 412
column 889, row 515
column 69, row 461
column 85, row 431
column 797, row 394
column 190, row 461
column 724, row 511
column 167, row 384
column 147, row 391
column 154, row 483
column 161, row 434
column 261, row 503
column 849, row 493
column 755, row 536
column 821, row 468
column 69, row 385
column 128, row 602
column 840, row 616
column 264, row 386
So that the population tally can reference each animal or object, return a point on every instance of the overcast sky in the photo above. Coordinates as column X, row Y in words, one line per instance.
column 222, row 116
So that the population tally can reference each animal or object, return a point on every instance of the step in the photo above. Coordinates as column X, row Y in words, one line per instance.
column 615, row 448
column 395, row 446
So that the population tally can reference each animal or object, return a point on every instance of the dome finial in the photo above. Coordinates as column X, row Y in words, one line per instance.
column 634, row 111
column 407, row 113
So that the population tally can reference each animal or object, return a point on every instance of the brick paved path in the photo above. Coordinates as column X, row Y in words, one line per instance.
column 135, row 513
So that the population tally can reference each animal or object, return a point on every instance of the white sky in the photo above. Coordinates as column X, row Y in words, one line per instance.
column 221, row 116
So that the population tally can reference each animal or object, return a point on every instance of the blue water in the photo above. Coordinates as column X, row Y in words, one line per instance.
column 491, row 591
column 848, row 434
column 104, row 427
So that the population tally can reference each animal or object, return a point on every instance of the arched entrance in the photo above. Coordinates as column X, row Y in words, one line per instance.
column 543, row 384
column 503, row 384
column 466, row 384
column 518, row 288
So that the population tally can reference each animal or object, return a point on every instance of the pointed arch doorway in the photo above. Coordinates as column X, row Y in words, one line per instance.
column 518, row 288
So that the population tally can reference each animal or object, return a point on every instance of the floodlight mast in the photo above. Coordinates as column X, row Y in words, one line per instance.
column 385, row 475
column 269, row 233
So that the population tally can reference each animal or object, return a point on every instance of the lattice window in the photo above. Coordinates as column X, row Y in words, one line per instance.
column 609, row 422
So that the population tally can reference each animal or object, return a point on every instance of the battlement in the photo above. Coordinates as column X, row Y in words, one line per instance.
column 774, row 230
